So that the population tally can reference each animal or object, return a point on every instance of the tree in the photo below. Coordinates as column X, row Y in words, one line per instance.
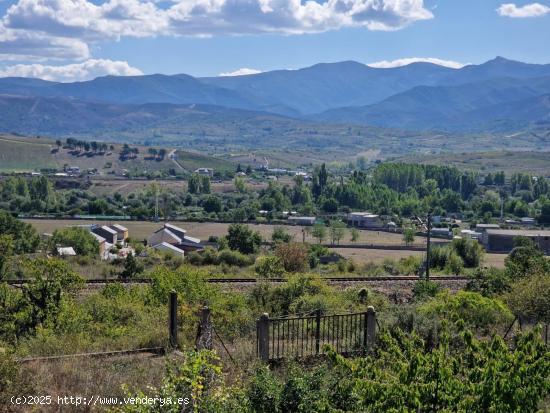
column 544, row 217
column 293, row 256
column 24, row 236
column 280, row 235
column 132, row 268
column 194, row 184
column 408, row 235
column 530, row 297
column 42, row 297
column 354, row 235
column 6, row 251
column 337, row 231
column 319, row 232
column 205, row 184
column 243, row 239
column 525, row 259
column 269, row 266
column 240, row 184
column 212, row 204
column 82, row 241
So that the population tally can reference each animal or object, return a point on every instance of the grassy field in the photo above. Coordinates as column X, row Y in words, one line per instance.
column 508, row 161
column 363, row 256
column 142, row 229
column 19, row 154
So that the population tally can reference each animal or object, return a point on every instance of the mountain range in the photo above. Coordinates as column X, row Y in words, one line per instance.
column 500, row 95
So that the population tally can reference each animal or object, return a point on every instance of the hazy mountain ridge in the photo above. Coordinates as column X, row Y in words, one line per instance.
column 418, row 96
column 467, row 107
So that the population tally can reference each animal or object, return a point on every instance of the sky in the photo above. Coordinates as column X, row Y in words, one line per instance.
column 71, row 40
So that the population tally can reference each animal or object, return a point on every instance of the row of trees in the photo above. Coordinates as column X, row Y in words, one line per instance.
column 76, row 144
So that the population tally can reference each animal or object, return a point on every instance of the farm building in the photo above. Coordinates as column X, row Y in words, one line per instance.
column 441, row 232
column 485, row 227
column 121, row 232
column 301, row 220
column 502, row 240
column 104, row 246
column 205, row 171
column 164, row 246
column 106, row 232
column 176, row 237
column 365, row 220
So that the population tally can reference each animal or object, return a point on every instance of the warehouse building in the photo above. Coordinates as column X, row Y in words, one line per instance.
column 502, row 240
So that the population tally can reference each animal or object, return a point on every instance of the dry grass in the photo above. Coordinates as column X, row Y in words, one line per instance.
column 363, row 256
column 494, row 260
column 89, row 377
column 142, row 229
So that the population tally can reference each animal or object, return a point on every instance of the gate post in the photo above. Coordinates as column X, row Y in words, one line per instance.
column 204, row 334
column 370, row 328
column 262, row 326
column 317, row 330
column 173, row 319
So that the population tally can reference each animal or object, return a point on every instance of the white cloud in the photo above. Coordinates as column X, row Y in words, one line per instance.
column 89, row 69
column 137, row 18
column 66, row 29
column 529, row 10
column 241, row 72
column 384, row 64
column 28, row 45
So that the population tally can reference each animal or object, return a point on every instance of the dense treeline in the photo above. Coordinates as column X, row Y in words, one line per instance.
column 393, row 189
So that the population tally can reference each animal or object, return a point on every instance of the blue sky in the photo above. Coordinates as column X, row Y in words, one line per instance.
column 79, row 39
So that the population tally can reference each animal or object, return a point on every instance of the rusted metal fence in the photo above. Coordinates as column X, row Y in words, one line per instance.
column 299, row 337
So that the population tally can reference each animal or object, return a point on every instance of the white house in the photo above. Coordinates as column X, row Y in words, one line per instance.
column 205, row 171
column 176, row 237
column 365, row 220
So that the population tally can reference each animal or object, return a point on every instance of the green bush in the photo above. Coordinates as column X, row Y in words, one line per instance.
column 269, row 266
column 474, row 309
column 234, row 258
column 425, row 289
column 530, row 297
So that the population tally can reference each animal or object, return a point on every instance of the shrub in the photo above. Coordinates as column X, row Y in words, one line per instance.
column 410, row 265
column 264, row 391
column 234, row 258
column 455, row 265
column 469, row 250
column 280, row 235
column 269, row 266
column 489, row 282
column 293, row 256
column 476, row 310
column 439, row 256
column 530, row 297
column 243, row 239
column 425, row 289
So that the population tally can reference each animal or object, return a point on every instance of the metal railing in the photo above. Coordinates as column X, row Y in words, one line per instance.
column 306, row 336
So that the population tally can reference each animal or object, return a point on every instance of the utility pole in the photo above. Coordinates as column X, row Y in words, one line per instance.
column 428, row 245
column 156, row 203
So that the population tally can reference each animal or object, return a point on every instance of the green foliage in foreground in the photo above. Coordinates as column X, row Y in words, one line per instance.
column 460, row 375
